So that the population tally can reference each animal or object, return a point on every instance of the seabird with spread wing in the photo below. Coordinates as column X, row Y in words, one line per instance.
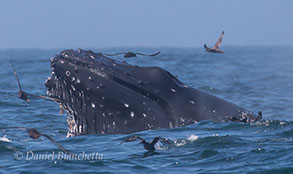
column 34, row 134
column 148, row 146
column 216, row 48
column 25, row 96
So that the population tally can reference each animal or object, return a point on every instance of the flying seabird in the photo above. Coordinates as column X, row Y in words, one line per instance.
column 34, row 134
column 25, row 96
column 216, row 48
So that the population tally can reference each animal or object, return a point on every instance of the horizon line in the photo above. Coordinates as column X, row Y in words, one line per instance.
column 137, row 47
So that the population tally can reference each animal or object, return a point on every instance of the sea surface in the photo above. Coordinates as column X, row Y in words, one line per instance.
column 257, row 78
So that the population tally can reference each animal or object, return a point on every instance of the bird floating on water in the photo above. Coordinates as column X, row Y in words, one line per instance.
column 216, row 48
column 148, row 146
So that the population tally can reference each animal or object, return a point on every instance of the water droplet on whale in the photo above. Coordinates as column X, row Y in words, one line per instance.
column 192, row 102
column 144, row 115
column 132, row 114
column 75, row 70
column 73, row 88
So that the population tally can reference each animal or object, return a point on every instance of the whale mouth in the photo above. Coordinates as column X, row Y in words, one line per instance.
column 102, row 95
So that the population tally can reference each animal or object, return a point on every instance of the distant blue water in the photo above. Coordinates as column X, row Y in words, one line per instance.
column 257, row 78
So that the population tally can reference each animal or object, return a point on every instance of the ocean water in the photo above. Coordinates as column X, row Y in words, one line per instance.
column 257, row 78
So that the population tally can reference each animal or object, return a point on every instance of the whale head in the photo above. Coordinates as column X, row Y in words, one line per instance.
column 102, row 95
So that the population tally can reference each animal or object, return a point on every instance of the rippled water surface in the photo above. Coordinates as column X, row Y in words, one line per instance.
column 257, row 78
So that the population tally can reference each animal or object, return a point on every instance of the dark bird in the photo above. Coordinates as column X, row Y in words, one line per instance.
column 146, row 145
column 34, row 134
column 216, row 48
column 21, row 94
column 131, row 54
column 25, row 96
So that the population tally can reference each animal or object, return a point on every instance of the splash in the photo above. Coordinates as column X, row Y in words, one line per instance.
column 192, row 138
column 5, row 139
column 182, row 142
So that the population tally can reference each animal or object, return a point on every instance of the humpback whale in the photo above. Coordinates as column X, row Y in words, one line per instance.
column 106, row 96
column 216, row 48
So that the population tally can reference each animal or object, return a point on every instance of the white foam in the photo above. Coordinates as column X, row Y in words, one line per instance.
column 5, row 139
column 192, row 138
